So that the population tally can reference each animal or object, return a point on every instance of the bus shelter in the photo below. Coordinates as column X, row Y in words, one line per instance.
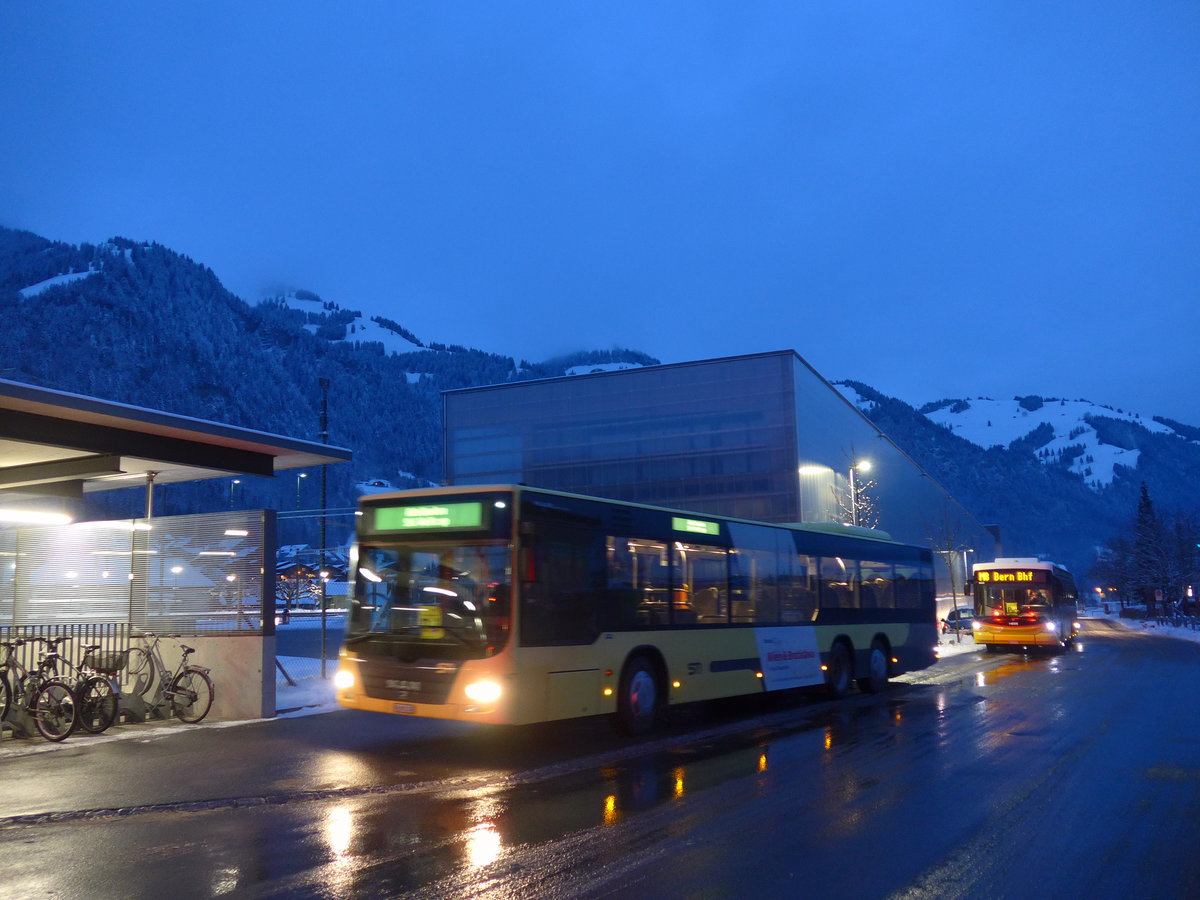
column 208, row 576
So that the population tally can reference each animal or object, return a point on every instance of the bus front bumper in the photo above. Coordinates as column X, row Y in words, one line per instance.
column 1020, row 636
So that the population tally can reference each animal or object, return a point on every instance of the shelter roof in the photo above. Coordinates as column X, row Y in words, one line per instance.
column 62, row 445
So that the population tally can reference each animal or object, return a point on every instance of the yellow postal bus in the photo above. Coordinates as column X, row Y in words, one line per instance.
column 1023, row 602
column 514, row 605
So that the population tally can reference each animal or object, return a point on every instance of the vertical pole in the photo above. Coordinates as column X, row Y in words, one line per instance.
column 324, row 382
column 150, row 476
column 853, row 499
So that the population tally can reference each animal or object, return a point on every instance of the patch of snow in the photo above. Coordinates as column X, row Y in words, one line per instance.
column 860, row 402
column 364, row 329
column 42, row 286
column 601, row 367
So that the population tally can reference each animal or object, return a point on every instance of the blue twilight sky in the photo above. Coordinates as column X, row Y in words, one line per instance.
column 941, row 199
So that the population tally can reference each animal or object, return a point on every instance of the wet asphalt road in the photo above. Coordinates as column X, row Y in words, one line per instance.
column 991, row 775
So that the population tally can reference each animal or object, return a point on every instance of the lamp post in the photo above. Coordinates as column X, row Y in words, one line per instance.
column 863, row 465
column 298, row 477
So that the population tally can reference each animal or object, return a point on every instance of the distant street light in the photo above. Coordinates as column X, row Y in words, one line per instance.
column 298, row 477
column 860, row 466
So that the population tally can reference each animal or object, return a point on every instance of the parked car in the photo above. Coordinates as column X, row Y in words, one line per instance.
column 958, row 619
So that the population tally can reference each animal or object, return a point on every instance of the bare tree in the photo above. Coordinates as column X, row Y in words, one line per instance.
column 945, row 536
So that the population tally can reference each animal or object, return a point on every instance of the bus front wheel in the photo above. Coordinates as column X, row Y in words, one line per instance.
column 638, row 707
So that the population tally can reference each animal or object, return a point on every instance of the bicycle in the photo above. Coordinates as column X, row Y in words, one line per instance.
column 98, row 689
column 189, row 691
column 97, row 697
column 50, row 701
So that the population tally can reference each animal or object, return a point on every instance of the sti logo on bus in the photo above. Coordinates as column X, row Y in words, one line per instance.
column 442, row 515
column 695, row 526
column 1023, row 576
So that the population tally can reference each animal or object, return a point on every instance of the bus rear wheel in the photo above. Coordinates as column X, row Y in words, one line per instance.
column 877, row 670
column 839, row 671
column 638, row 707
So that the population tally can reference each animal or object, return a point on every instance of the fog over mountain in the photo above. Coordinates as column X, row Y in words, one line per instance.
column 140, row 324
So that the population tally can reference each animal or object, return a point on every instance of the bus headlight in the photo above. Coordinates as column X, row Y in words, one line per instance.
column 1052, row 626
column 343, row 679
column 977, row 625
column 483, row 691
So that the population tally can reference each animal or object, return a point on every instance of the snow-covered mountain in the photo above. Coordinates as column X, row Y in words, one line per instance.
column 1087, row 439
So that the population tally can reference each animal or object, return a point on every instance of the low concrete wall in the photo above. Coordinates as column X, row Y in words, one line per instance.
column 243, row 671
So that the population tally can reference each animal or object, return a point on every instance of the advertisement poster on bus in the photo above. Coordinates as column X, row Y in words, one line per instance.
column 789, row 657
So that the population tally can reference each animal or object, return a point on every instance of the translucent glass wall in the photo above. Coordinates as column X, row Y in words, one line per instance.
column 716, row 436
column 191, row 574
column 759, row 437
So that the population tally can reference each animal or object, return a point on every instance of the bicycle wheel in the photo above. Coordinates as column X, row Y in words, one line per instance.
column 97, row 704
column 192, row 694
column 5, row 695
column 55, row 710
column 138, row 674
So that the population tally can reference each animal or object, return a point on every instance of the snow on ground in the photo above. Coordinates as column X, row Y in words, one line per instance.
column 950, row 645
column 42, row 286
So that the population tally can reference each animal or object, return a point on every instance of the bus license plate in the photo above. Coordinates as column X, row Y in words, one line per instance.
column 403, row 708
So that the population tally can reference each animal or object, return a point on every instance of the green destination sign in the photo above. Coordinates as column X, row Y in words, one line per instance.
column 434, row 515
column 695, row 526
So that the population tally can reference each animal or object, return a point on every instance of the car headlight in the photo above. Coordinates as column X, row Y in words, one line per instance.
column 486, row 691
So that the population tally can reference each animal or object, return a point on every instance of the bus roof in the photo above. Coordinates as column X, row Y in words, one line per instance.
column 1017, row 562
column 815, row 527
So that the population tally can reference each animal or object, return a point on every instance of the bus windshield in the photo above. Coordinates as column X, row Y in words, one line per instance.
column 434, row 592
column 1010, row 601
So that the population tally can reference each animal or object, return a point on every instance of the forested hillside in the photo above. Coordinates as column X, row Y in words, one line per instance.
column 141, row 324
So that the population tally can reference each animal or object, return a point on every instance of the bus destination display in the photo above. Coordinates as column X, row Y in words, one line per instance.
column 1016, row 576
column 430, row 516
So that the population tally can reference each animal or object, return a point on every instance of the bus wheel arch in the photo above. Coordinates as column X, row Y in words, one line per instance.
column 879, row 666
column 642, row 691
column 839, row 667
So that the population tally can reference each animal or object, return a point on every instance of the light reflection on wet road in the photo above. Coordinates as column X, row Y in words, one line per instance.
column 993, row 775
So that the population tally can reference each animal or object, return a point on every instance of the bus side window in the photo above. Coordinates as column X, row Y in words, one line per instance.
column 908, row 586
column 839, row 583
column 754, row 574
column 699, row 575
column 798, row 588
column 877, row 585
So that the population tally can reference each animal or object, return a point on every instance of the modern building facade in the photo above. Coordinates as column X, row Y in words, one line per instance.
column 761, row 437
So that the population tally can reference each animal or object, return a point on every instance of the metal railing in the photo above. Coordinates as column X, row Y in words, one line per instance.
column 112, row 637
column 1175, row 620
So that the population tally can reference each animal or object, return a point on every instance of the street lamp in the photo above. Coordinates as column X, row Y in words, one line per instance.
column 298, row 477
column 863, row 465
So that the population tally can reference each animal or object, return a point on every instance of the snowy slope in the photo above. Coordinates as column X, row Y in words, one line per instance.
column 1067, row 430
column 997, row 423
column 361, row 330
column 42, row 286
